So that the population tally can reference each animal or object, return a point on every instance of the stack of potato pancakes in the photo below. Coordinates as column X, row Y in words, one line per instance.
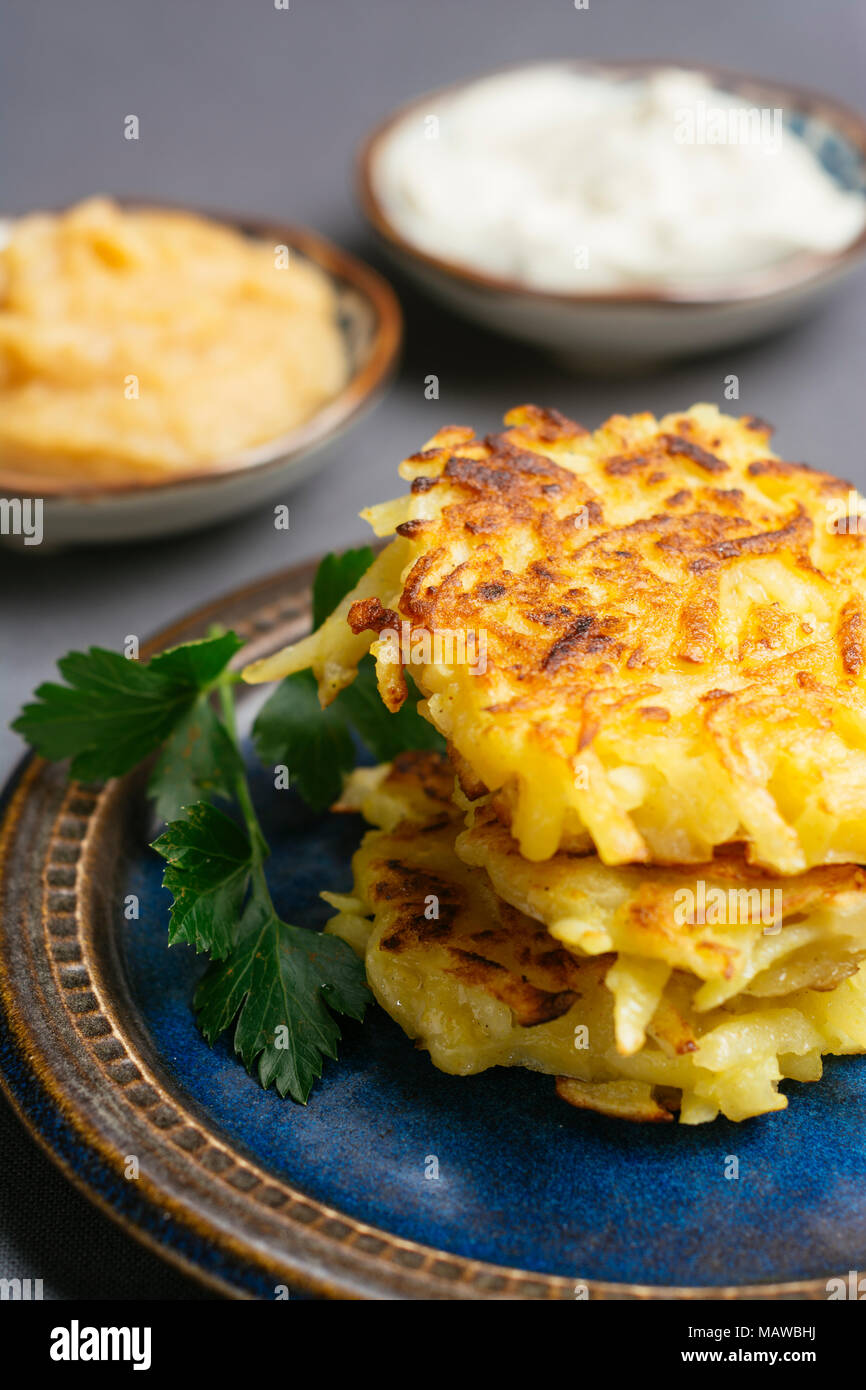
column 637, row 867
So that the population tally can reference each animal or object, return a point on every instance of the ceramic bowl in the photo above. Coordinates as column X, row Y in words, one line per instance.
column 77, row 512
column 637, row 325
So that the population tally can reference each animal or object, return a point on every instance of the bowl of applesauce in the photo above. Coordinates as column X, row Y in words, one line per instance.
column 162, row 370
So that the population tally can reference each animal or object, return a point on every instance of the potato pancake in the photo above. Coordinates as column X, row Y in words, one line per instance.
column 662, row 628
column 735, row 927
column 732, row 927
column 479, row 983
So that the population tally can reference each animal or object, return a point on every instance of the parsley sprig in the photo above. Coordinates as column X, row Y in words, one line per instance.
column 114, row 712
column 318, row 745
column 280, row 985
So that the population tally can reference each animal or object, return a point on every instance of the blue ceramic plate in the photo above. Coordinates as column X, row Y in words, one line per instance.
column 100, row 1055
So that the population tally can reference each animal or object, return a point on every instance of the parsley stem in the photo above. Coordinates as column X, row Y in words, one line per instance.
column 258, row 843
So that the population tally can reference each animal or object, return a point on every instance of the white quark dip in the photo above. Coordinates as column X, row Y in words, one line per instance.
column 567, row 181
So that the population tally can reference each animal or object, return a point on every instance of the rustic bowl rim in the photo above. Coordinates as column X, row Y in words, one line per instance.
column 770, row 282
column 360, row 391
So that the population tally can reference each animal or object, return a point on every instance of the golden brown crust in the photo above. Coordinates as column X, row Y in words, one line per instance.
column 577, row 587
column 515, row 961
column 668, row 576
column 425, row 774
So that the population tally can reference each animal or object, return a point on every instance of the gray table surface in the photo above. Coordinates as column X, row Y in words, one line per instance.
column 243, row 106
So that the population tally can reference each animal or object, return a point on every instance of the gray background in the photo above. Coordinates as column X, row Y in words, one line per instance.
column 245, row 107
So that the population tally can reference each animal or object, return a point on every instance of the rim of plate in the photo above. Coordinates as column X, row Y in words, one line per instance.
column 75, row 1054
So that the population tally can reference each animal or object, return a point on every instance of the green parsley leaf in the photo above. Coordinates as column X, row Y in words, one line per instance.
column 197, row 665
column 336, row 576
column 281, row 982
column 293, row 730
column 198, row 759
column 209, row 866
column 113, row 712
column 384, row 733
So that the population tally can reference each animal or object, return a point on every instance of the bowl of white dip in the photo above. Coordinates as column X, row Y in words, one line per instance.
column 616, row 213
